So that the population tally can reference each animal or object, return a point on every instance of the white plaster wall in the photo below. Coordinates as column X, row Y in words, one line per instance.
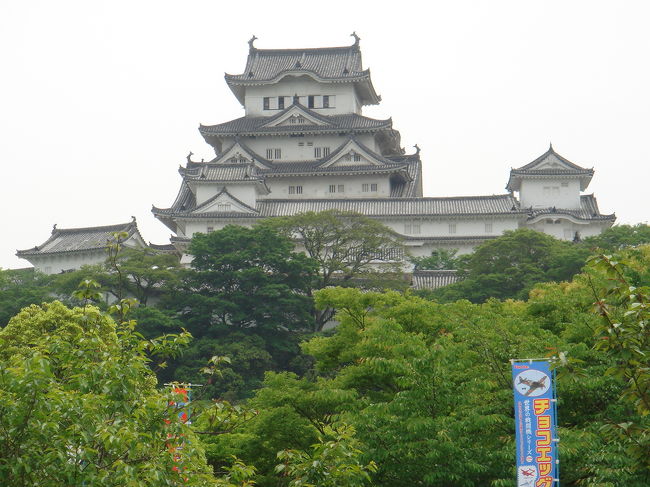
column 318, row 187
column 303, row 86
column 201, row 226
column 56, row 263
column 439, row 227
column 533, row 193
column 293, row 151
column 564, row 229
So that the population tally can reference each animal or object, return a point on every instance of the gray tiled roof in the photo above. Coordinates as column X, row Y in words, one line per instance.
column 433, row 279
column 80, row 239
column 327, row 65
column 452, row 206
column 255, row 125
column 312, row 168
column 164, row 248
column 551, row 152
column 338, row 63
column 465, row 205
column 588, row 211
column 569, row 170
column 221, row 172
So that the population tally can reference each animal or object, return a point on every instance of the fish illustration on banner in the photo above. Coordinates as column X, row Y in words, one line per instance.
column 535, row 424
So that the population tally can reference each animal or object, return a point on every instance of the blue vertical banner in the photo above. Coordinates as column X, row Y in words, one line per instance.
column 535, row 424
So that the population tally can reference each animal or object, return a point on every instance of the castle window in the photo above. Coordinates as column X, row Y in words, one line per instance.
column 281, row 102
column 278, row 153
column 565, row 184
column 223, row 207
column 267, row 103
column 357, row 157
column 310, row 144
column 332, row 188
column 373, row 187
column 274, row 153
column 301, row 144
column 326, row 101
column 412, row 228
column 452, row 228
column 488, row 228
column 310, row 101
column 341, row 188
column 326, row 151
column 269, row 153
column 364, row 187
column 210, row 229
column 295, row 189
column 317, row 152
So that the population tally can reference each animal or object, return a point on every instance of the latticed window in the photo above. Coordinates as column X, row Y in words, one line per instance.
column 488, row 228
column 326, row 101
column 365, row 187
column 267, row 103
column 373, row 187
column 318, row 152
column 224, row 207
column 452, row 228
column 341, row 188
column 332, row 188
column 412, row 228
column 281, row 102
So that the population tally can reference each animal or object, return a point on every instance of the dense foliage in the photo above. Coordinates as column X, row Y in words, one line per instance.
column 405, row 391
column 247, row 296
column 79, row 405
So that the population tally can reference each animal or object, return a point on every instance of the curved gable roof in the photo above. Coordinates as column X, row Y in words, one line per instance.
column 325, row 64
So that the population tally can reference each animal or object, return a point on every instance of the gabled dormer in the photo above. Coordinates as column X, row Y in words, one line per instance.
column 297, row 115
column 222, row 204
column 354, row 153
column 550, row 181
column 240, row 153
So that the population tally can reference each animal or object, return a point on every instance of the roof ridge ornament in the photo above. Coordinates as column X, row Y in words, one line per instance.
column 252, row 40
column 417, row 149
column 550, row 146
column 189, row 156
column 356, row 38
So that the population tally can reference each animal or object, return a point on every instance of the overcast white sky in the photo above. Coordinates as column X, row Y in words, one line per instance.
column 100, row 101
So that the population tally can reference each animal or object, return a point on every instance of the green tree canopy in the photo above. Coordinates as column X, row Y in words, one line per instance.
column 20, row 288
column 247, row 296
column 79, row 405
column 348, row 247
column 620, row 236
column 510, row 265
